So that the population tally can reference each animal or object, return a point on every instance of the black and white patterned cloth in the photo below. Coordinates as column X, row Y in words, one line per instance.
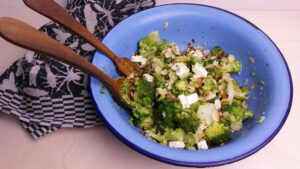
column 45, row 94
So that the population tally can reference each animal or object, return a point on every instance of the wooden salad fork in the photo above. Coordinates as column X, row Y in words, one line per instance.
column 51, row 10
column 23, row 35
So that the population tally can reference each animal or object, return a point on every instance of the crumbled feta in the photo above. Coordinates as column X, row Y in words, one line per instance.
column 199, row 70
column 216, row 63
column 139, row 59
column 176, row 144
column 197, row 53
column 192, row 98
column 183, row 101
column 148, row 77
column 202, row 145
column 187, row 101
column 217, row 103
column 181, row 69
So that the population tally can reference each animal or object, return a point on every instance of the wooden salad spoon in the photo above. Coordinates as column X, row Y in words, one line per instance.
column 50, row 9
column 23, row 35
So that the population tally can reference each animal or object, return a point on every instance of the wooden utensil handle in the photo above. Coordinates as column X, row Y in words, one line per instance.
column 52, row 10
column 23, row 35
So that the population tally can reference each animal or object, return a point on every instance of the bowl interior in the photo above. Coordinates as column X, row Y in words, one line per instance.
column 209, row 27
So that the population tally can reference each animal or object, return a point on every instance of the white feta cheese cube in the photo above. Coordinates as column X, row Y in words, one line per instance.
column 187, row 101
column 198, row 54
column 139, row 59
column 199, row 70
column 183, row 101
column 176, row 144
column 181, row 69
column 202, row 145
column 192, row 98
column 217, row 103
column 148, row 77
column 216, row 63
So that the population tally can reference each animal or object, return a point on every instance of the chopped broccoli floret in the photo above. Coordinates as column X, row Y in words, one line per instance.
column 167, row 109
column 174, row 135
column 240, row 93
column 181, row 85
column 216, row 51
column 236, row 114
column 142, row 116
column 168, row 135
column 189, row 140
column 148, row 46
column 187, row 120
column 144, row 93
column 143, row 100
column 159, row 80
column 231, row 65
column 209, row 85
column 217, row 133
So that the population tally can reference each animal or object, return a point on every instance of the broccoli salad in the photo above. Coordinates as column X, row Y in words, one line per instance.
column 186, row 100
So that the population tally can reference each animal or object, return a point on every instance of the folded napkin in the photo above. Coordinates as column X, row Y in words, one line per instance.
column 45, row 94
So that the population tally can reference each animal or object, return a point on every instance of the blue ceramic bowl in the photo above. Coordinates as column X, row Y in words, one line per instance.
column 208, row 26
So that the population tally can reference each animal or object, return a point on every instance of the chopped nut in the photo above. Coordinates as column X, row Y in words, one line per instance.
column 244, row 105
column 225, row 102
column 252, row 86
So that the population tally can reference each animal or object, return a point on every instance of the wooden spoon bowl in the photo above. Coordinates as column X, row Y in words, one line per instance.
column 23, row 35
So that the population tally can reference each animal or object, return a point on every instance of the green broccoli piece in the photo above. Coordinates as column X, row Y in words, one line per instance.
column 142, row 116
column 181, row 85
column 217, row 134
column 167, row 110
column 231, row 65
column 241, row 93
column 216, row 51
column 149, row 46
column 159, row 80
column 157, row 136
column 209, row 85
column 143, row 100
column 236, row 114
column 168, row 135
column 144, row 93
column 194, row 106
column 174, row 135
column 189, row 140
column 187, row 120
column 186, row 59
column 234, row 67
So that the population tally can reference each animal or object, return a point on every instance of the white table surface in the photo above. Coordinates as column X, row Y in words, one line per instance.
column 98, row 148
